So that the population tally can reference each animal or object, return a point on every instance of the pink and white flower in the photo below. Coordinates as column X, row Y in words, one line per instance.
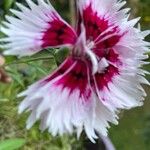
column 101, row 75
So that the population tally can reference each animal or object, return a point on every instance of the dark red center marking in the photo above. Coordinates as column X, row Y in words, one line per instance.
column 61, row 70
column 58, row 33
column 76, row 78
column 103, row 79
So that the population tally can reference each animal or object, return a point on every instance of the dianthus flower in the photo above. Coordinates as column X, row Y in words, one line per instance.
column 101, row 75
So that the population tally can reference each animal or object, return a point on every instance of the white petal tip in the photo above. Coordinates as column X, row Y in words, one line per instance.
column 22, row 94
column 7, row 53
column 38, row 115
column 115, row 122
column 92, row 140
column 28, row 126
column 20, row 111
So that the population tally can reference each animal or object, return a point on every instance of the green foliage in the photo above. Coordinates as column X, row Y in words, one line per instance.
column 60, row 55
column 24, row 72
column 11, row 144
column 8, row 4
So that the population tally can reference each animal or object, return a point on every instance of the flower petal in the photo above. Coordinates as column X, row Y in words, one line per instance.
column 65, row 100
column 120, row 49
column 119, row 87
column 35, row 28
column 100, row 26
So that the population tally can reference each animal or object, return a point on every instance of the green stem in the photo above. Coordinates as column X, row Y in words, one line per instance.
column 72, row 12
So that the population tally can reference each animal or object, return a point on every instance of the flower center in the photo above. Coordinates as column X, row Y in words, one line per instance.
column 84, row 52
column 90, row 44
column 102, row 65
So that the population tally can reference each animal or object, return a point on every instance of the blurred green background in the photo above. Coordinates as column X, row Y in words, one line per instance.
column 133, row 132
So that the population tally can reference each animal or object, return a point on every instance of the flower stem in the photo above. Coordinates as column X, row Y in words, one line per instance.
column 72, row 11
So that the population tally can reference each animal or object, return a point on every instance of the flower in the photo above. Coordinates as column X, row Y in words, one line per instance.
column 101, row 75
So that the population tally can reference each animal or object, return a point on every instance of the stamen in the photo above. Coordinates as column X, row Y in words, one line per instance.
column 90, row 44
column 93, row 60
column 102, row 65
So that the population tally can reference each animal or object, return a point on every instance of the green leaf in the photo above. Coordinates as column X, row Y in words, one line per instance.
column 61, row 54
column 38, row 68
column 11, row 144
column 8, row 4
